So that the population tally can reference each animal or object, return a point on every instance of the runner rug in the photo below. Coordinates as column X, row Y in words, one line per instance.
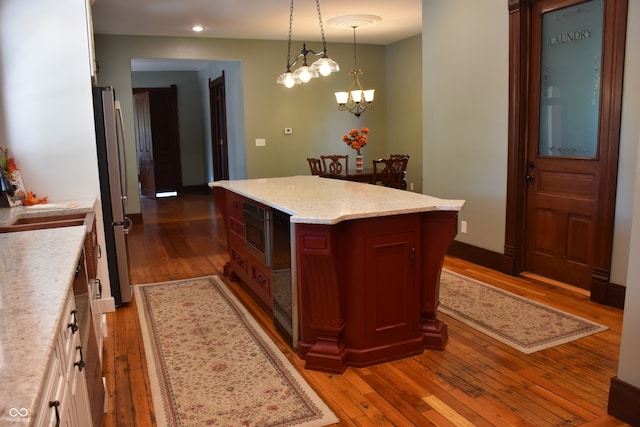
column 210, row 363
column 519, row 322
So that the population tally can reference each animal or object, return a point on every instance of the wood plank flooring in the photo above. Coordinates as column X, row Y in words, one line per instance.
column 475, row 381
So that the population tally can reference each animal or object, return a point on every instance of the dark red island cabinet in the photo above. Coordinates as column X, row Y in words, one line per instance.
column 367, row 288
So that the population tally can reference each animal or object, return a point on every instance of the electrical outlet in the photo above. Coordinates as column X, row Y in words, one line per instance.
column 411, row 186
column 463, row 227
column 261, row 142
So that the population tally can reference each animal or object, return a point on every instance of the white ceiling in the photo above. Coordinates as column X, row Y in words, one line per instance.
column 257, row 19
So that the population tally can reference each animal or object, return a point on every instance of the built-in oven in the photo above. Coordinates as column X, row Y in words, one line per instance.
column 257, row 231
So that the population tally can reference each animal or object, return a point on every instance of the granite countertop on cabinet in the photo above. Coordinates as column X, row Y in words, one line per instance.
column 37, row 269
column 316, row 200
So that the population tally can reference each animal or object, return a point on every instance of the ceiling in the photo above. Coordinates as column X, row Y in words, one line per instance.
column 257, row 19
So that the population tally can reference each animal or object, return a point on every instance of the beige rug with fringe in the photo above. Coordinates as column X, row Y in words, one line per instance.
column 521, row 323
column 210, row 363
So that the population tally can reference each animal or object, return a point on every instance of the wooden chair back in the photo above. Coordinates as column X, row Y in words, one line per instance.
column 315, row 164
column 390, row 172
column 404, row 175
column 335, row 164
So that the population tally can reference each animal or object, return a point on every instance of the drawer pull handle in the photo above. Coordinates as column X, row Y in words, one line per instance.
column 74, row 326
column 55, row 404
column 261, row 280
column 98, row 294
column 80, row 363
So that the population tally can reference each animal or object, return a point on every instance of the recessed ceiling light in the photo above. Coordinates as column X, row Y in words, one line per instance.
column 197, row 28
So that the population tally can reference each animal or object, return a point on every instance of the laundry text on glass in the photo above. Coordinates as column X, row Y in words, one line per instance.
column 570, row 37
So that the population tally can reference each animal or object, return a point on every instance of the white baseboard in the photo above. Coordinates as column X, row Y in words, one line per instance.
column 107, row 305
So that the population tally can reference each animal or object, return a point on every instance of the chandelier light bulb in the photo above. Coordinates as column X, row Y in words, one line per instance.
column 289, row 82
column 324, row 70
column 305, row 76
column 368, row 95
column 287, row 79
column 342, row 97
column 325, row 66
column 305, row 73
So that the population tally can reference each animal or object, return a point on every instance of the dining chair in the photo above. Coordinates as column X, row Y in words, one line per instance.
column 333, row 164
column 390, row 172
column 315, row 164
column 404, row 174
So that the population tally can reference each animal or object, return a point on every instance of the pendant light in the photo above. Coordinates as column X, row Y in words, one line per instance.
column 355, row 99
column 321, row 67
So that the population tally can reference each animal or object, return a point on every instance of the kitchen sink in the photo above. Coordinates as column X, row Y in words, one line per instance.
column 47, row 221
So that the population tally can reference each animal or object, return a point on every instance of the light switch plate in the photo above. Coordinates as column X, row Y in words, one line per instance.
column 261, row 142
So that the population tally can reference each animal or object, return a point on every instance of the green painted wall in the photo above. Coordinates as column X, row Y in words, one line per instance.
column 260, row 108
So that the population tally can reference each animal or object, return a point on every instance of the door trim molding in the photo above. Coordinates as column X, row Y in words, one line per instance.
column 520, row 17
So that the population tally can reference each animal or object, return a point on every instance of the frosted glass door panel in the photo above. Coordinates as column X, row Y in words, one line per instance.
column 570, row 61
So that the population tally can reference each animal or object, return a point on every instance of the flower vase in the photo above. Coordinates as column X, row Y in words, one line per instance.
column 358, row 161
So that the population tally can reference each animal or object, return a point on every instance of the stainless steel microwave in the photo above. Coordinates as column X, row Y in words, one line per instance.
column 257, row 231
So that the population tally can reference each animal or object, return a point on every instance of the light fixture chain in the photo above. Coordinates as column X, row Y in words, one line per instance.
column 324, row 42
column 354, row 47
column 290, row 33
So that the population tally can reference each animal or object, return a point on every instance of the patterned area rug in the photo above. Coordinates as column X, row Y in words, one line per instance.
column 210, row 363
column 523, row 324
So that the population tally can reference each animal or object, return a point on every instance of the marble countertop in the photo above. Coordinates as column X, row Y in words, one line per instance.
column 315, row 200
column 37, row 269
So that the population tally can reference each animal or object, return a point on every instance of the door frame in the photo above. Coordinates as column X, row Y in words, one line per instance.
column 614, row 35
column 218, row 121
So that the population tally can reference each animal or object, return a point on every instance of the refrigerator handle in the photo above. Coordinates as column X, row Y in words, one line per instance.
column 127, row 225
column 124, row 149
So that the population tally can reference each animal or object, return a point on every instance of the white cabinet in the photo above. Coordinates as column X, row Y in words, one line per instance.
column 65, row 399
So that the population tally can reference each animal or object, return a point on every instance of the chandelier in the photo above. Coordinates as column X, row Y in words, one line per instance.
column 356, row 99
column 303, row 74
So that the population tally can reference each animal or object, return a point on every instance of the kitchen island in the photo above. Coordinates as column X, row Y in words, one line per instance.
column 365, row 267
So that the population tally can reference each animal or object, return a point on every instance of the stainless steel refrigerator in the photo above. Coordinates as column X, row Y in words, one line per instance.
column 112, row 171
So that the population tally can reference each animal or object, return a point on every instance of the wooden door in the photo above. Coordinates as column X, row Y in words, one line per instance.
column 219, row 148
column 570, row 135
column 165, row 138
column 144, row 144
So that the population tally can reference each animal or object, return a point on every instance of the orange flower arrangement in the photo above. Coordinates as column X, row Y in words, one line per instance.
column 355, row 139
column 7, row 163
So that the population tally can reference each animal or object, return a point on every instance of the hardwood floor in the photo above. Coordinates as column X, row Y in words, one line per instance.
column 475, row 381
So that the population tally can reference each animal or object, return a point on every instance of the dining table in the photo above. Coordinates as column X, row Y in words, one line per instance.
column 364, row 175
